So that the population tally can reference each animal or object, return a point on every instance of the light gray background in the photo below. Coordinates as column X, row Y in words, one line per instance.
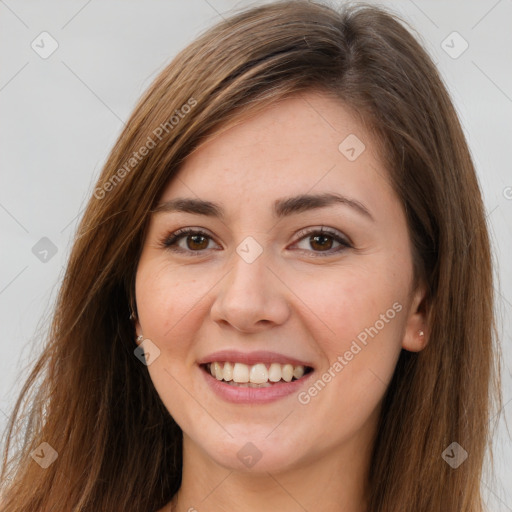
column 61, row 115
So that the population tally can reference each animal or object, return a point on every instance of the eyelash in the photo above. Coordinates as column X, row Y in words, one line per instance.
column 169, row 241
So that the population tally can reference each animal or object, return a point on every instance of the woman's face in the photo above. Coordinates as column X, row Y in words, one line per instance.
column 263, row 296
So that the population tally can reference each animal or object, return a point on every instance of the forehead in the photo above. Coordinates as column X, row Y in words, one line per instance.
column 309, row 142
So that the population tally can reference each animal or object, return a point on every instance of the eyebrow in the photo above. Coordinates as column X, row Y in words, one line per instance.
column 283, row 207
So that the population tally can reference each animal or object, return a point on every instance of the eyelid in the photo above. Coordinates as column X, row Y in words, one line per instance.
column 169, row 240
column 172, row 237
column 323, row 229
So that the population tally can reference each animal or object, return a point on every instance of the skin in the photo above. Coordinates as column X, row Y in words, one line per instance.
column 286, row 301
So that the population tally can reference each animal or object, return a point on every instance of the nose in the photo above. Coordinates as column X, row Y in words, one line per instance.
column 251, row 297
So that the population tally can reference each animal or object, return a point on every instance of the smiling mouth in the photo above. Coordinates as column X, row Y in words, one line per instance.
column 258, row 375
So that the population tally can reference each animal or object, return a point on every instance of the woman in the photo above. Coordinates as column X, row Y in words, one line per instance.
column 280, row 295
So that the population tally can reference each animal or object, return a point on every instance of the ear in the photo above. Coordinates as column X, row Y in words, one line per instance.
column 138, row 329
column 416, row 334
column 139, row 338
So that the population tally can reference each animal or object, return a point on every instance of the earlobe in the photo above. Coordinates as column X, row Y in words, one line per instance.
column 139, row 338
column 415, row 336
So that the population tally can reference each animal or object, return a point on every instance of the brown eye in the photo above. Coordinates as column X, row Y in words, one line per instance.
column 196, row 241
column 322, row 241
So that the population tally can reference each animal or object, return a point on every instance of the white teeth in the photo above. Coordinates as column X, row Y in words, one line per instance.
column 262, row 385
column 287, row 372
column 240, row 372
column 218, row 373
column 250, row 385
column 298, row 371
column 274, row 372
column 228, row 372
column 256, row 375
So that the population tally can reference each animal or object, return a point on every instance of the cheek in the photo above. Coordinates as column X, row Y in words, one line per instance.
column 168, row 300
column 352, row 302
column 362, row 315
column 360, row 355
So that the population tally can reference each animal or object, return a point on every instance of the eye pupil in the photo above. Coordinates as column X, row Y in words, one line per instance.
column 324, row 237
column 194, row 238
column 198, row 241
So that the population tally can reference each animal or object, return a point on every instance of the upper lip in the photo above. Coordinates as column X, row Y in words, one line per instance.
column 250, row 358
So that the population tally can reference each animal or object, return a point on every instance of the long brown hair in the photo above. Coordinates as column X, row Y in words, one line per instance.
column 93, row 401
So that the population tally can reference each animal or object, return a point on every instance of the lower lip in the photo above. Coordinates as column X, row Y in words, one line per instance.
column 243, row 395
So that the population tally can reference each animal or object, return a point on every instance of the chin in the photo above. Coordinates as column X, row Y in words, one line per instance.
column 257, row 456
